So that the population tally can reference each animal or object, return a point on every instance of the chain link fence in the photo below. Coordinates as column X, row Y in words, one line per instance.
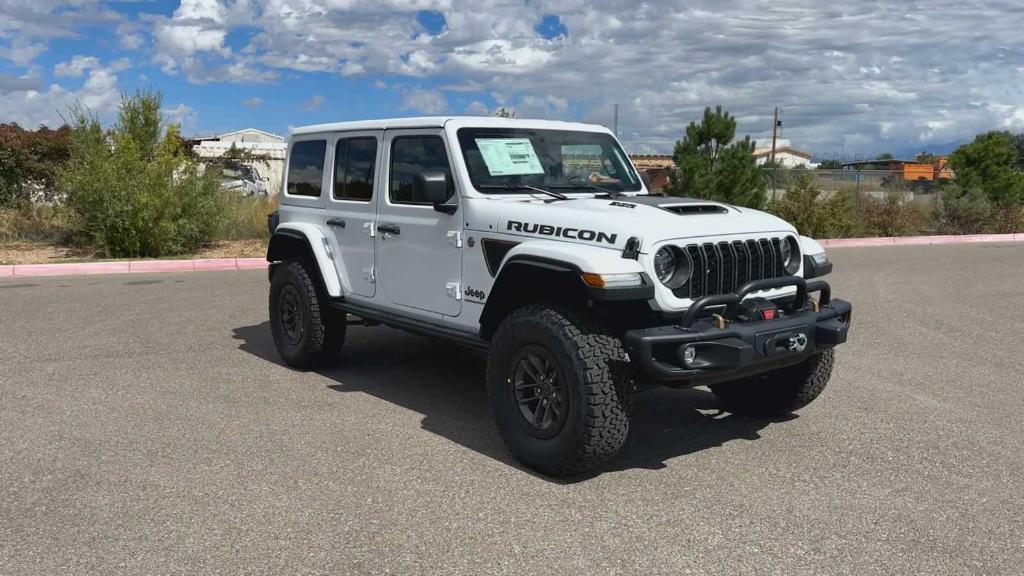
column 878, row 184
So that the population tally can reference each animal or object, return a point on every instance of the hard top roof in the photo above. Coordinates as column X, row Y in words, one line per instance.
column 442, row 121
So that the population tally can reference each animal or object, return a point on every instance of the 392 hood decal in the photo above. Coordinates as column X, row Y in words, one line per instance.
column 561, row 232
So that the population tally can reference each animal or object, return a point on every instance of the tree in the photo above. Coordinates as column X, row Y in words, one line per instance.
column 503, row 112
column 712, row 166
column 30, row 161
column 885, row 156
column 991, row 165
column 134, row 191
column 830, row 165
column 814, row 216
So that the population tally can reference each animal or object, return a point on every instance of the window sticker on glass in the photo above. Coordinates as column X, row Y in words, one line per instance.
column 509, row 156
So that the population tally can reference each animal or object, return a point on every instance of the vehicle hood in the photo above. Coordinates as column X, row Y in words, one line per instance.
column 611, row 222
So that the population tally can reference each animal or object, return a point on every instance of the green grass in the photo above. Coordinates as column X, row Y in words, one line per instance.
column 244, row 218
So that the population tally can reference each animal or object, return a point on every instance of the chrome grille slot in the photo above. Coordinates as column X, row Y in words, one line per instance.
column 723, row 267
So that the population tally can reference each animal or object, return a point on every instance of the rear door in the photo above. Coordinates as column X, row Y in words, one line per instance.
column 351, row 209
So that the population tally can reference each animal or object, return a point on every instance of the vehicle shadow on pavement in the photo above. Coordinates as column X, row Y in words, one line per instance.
column 444, row 383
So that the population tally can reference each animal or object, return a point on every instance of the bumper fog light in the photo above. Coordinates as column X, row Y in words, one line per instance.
column 689, row 355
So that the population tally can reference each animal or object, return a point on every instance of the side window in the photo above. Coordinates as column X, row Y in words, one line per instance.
column 354, row 162
column 411, row 156
column 306, row 167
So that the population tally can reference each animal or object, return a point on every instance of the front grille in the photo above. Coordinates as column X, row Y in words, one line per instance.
column 723, row 267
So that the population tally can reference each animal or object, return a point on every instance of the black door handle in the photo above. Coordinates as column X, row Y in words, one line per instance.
column 336, row 222
column 389, row 228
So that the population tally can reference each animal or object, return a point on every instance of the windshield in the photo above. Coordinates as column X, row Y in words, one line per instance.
column 238, row 172
column 511, row 160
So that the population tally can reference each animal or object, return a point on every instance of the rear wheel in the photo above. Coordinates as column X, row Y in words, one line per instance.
column 306, row 331
column 780, row 391
column 557, row 391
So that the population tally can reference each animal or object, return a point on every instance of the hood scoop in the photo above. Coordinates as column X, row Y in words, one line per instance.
column 689, row 208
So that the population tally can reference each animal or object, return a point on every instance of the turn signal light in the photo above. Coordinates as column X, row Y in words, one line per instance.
column 612, row 280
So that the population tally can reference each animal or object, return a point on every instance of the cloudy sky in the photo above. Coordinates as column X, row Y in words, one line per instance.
column 854, row 77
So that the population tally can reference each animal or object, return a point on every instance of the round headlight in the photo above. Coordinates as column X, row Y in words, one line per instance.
column 672, row 267
column 665, row 264
column 791, row 255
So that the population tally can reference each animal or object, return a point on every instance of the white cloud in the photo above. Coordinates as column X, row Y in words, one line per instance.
column 478, row 108
column 15, row 84
column 864, row 76
column 75, row 67
column 184, row 116
column 99, row 93
column 314, row 103
column 425, row 101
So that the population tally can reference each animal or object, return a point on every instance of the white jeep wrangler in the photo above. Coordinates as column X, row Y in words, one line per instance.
column 538, row 242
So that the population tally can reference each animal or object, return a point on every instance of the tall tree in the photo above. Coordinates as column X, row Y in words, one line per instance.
column 712, row 166
column 991, row 165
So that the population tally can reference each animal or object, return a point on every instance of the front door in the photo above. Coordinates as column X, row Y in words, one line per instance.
column 419, row 252
column 351, row 209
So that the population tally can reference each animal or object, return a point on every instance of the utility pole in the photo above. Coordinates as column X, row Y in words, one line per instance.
column 775, row 133
column 775, row 136
column 615, row 128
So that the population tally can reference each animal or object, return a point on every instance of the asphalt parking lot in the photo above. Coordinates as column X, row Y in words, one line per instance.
column 147, row 426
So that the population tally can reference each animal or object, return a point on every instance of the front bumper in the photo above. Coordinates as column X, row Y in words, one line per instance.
column 726, row 349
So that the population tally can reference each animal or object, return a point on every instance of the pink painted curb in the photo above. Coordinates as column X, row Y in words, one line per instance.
column 130, row 266
column 920, row 240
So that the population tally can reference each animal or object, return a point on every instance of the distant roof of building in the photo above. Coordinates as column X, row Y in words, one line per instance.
column 886, row 162
column 642, row 161
column 233, row 132
column 762, row 152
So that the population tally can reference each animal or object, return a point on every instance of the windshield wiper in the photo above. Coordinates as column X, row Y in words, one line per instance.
column 581, row 184
column 523, row 187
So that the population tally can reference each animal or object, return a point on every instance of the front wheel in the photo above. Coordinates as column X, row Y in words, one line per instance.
column 556, row 390
column 778, row 392
column 306, row 331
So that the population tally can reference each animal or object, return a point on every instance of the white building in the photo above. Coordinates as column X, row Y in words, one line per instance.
column 785, row 156
column 269, row 146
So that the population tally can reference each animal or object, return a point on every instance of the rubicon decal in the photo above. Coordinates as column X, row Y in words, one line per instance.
column 560, row 232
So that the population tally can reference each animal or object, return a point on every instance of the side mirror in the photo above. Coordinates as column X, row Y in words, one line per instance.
column 432, row 188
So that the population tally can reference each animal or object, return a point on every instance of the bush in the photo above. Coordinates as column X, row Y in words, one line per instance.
column 30, row 161
column 134, row 191
column 969, row 213
column 893, row 216
column 35, row 223
column 803, row 207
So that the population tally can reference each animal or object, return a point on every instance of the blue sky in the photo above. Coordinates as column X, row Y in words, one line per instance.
column 855, row 77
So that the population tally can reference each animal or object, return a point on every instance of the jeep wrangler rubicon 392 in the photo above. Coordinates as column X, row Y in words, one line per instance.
column 538, row 242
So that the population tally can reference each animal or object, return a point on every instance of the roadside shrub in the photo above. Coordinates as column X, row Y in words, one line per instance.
column 244, row 218
column 964, row 213
column 134, row 191
column 892, row 216
column 30, row 161
column 35, row 223
column 811, row 214
column 1009, row 220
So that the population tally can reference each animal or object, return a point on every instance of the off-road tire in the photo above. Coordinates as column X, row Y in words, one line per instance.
column 317, row 340
column 778, row 392
column 589, row 360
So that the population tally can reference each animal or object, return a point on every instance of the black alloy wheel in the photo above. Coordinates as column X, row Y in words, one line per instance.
column 539, row 391
column 292, row 318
